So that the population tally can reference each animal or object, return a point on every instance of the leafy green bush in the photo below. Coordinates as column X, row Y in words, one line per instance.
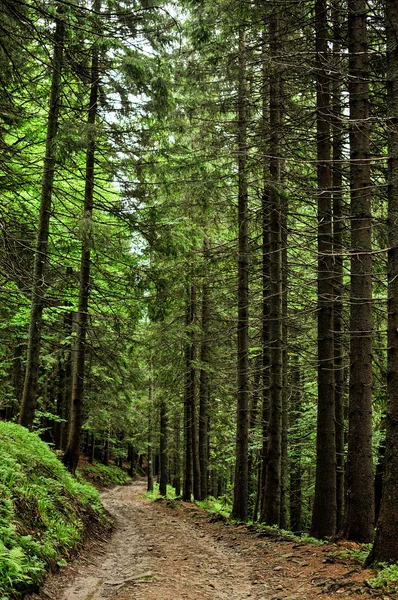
column 43, row 510
column 103, row 475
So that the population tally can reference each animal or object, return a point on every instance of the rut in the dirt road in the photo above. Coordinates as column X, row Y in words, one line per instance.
column 157, row 553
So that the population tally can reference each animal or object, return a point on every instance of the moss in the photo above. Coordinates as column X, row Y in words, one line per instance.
column 43, row 510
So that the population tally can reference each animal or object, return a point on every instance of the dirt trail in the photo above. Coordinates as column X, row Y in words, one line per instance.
column 162, row 553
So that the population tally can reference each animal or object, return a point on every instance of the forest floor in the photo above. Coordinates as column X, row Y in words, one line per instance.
column 176, row 551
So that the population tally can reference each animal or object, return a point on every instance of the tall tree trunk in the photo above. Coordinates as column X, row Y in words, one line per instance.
column 150, row 435
column 164, row 462
column 359, row 514
column 296, row 468
column 285, row 504
column 188, row 393
column 194, row 400
column 204, row 386
column 265, row 278
column 72, row 452
column 177, row 460
column 240, row 503
column 29, row 394
column 385, row 547
column 272, row 498
column 253, row 414
column 338, row 226
column 324, row 509
column 58, row 429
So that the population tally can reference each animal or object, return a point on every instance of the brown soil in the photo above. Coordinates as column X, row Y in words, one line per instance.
column 163, row 552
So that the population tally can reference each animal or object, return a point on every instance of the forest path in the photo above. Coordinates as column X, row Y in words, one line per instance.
column 157, row 552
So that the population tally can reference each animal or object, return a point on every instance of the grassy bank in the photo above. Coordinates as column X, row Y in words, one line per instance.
column 43, row 510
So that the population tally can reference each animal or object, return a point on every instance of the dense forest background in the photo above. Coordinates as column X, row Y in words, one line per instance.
column 198, row 241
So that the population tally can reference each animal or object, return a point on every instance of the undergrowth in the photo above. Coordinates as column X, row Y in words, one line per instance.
column 386, row 578
column 103, row 475
column 155, row 495
column 43, row 510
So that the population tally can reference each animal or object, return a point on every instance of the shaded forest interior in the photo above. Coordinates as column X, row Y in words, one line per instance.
column 199, row 258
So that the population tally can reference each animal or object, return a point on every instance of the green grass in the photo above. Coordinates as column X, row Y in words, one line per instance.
column 103, row 475
column 43, row 510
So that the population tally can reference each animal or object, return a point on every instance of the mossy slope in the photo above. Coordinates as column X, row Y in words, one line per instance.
column 43, row 510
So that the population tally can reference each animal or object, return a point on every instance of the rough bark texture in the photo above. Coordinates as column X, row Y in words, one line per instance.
column 296, row 469
column 338, row 228
column 195, row 399
column 359, row 513
column 324, row 508
column 72, row 452
column 385, row 547
column 29, row 394
column 271, row 509
column 188, row 393
column 285, row 504
column 204, row 388
column 240, row 503
column 177, row 461
column 266, row 253
column 150, row 438
column 164, row 463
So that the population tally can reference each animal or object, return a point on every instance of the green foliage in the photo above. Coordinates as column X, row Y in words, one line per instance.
column 155, row 495
column 43, row 510
column 103, row 475
column 358, row 555
column 216, row 506
column 386, row 578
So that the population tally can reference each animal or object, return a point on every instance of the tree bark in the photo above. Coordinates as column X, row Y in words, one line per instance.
column 29, row 394
column 204, row 387
column 385, row 547
column 271, row 512
column 194, row 400
column 359, row 513
column 296, row 468
column 338, row 228
column 324, row 508
column 150, row 435
column 72, row 452
column 164, row 462
column 240, row 502
column 188, row 393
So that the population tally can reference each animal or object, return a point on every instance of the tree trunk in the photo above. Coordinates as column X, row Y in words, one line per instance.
column 204, row 387
column 338, row 227
column 194, row 400
column 240, row 502
column 72, row 452
column 285, row 504
column 359, row 513
column 296, row 468
column 58, row 429
column 265, row 280
column 188, row 393
column 385, row 548
column 324, row 509
column 29, row 394
column 177, row 460
column 271, row 512
column 150, row 437
column 163, row 450
column 253, row 417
